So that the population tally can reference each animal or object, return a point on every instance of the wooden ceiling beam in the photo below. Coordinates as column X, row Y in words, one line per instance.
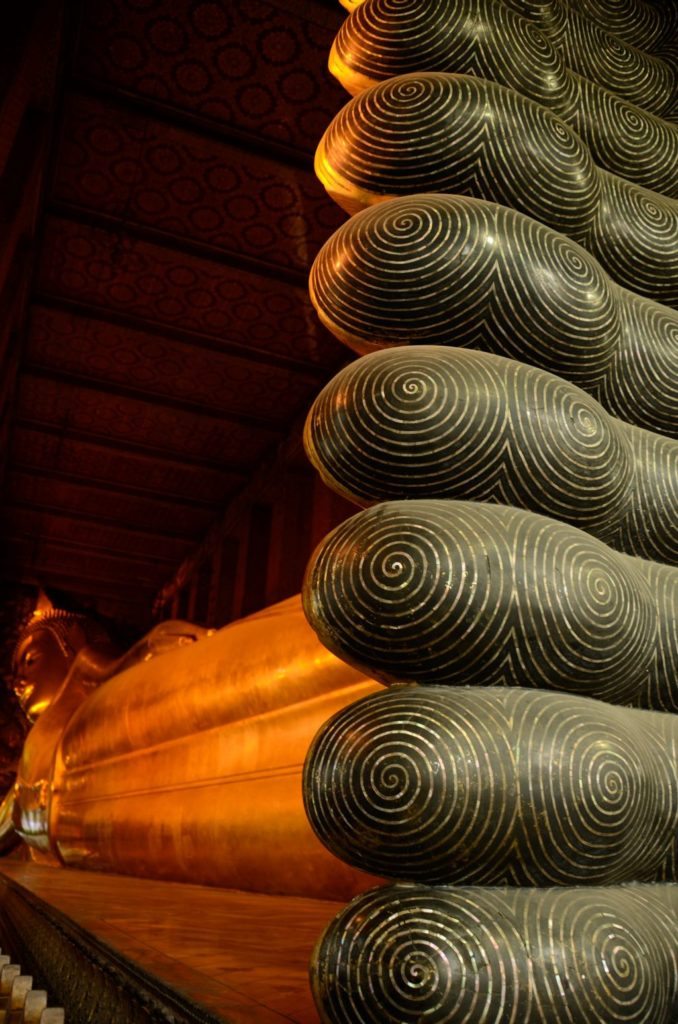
column 134, row 449
column 94, row 218
column 106, row 315
column 148, row 494
column 81, row 585
column 88, row 383
column 92, row 572
column 92, row 551
column 22, row 522
column 175, row 116
column 121, row 524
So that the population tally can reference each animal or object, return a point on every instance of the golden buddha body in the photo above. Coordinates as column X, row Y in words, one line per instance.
column 183, row 758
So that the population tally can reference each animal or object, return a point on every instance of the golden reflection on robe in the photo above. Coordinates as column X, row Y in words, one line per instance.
column 186, row 763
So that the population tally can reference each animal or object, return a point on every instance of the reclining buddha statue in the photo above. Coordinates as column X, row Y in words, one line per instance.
column 181, row 759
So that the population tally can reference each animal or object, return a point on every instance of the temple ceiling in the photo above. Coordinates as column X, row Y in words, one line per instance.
column 168, row 343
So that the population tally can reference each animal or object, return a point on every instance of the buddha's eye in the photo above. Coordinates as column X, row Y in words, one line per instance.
column 29, row 658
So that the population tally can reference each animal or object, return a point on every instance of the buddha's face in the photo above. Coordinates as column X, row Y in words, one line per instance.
column 41, row 666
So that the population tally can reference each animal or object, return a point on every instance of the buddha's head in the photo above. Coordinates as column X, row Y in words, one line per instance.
column 47, row 647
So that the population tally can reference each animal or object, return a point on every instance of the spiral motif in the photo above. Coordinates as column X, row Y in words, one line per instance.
column 456, row 134
column 650, row 525
column 453, row 270
column 457, row 592
column 491, row 787
column 643, row 25
column 641, row 383
column 591, row 50
column 647, row 26
column 383, row 38
column 635, row 227
column 403, row 961
column 661, row 581
column 410, row 953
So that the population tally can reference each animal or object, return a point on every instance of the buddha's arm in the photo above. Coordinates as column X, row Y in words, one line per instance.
column 95, row 665
column 8, row 837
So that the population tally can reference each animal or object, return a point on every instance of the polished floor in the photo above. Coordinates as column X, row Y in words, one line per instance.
column 242, row 956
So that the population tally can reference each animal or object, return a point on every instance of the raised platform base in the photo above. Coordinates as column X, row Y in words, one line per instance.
column 111, row 949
